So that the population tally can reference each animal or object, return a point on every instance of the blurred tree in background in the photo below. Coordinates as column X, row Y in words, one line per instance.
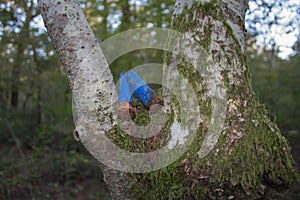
column 39, row 157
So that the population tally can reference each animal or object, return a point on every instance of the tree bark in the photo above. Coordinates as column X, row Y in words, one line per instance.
column 236, row 151
column 15, row 80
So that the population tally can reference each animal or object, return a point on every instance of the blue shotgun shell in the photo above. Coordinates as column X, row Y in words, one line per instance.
column 126, row 111
column 142, row 91
column 125, row 94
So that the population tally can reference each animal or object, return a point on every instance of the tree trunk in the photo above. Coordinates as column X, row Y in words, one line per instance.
column 105, row 16
column 16, row 69
column 15, row 81
column 39, row 109
column 126, row 13
column 21, row 46
column 231, row 149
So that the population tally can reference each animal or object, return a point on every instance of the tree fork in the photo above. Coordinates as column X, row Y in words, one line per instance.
column 249, row 159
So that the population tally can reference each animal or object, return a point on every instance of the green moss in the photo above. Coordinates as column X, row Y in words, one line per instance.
column 140, row 145
column 259, row 155
column 142, row 116
column 185, row 22
column 246, row 166
column 167, row 183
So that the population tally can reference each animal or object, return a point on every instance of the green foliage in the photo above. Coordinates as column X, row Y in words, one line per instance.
column 276, row 82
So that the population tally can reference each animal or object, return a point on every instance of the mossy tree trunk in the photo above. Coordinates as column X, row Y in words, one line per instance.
column 251, row 158
column 236, row 151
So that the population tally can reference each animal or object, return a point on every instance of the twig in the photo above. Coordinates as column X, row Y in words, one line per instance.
column 21, row 153
column 15, row 138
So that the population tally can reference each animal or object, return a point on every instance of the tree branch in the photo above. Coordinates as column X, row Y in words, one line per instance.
column 84, row 63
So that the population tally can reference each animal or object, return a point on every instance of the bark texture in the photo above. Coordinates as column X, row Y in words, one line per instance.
column 237, row 152
column 249, row 157
column 92, row 86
